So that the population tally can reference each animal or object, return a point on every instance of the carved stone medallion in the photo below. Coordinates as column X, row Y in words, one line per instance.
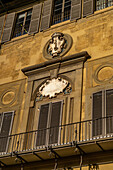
column 8, row 97
column 104, row 73
column 57, row 46
column 52, row 87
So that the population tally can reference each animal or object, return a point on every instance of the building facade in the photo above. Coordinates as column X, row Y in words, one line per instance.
column 56, row 84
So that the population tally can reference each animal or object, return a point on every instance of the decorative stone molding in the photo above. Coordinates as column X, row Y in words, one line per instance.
column 104, row 73
column 57, row 46
column 8, row 97
column 11, row 95
column 52, row 87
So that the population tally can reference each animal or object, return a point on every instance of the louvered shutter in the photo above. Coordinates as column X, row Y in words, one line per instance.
column 97, row 113
column 43, row 119
column 46, row 15
column 5, row 130
column 109, row 111
column 56, row 109
column 88, row 7
column 0, row 121
column 8, row 27
column 2, row 19
column 35, row 19
column 75, row 9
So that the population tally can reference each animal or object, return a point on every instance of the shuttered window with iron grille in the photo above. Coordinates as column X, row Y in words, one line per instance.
column 6, row 120
column 62, row 9
column 102, row 113
column 101, row 4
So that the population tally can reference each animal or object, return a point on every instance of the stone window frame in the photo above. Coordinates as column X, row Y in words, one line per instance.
column 37, row 74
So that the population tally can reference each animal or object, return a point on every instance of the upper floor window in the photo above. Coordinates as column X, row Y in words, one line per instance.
column 61, row 11
column 101, row 4
column 22, row 23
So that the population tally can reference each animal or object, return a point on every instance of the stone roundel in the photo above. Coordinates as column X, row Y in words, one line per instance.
column 8, row 97
column 104, row 73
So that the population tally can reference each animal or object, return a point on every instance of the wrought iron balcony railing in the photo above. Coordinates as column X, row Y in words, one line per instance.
column 84, row 131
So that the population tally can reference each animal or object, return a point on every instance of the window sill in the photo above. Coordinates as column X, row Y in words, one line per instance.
column 18, row 38
column 59, row 25
column 100, row 11
column 104, row 10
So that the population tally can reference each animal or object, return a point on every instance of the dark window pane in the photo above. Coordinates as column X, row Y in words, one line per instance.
column 57, row 14
column 97, row 114
column 27, row 22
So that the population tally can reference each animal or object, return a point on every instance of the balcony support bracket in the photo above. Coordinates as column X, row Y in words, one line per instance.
column 99, row 146
column 34, row 153
column 56, row 154
column 78, row 147
column 19, row 157
column 22, row 159
column 1, row 163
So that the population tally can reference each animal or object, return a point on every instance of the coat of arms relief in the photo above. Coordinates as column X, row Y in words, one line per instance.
column 57, row 46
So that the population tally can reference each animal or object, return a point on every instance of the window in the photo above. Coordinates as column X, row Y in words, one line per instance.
column 48, row 125
column 102, row 112
column 62, row 10
column 22, row 23
column 6, row 120
column 101, row 4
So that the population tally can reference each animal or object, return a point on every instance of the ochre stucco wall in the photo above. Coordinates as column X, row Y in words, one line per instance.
column 93, row 34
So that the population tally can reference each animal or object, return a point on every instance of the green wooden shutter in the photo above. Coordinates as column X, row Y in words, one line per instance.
column 35, row 19
column 42, row 125
column 56, row 109
column 75, row 9
column 109, row 111
column 97, row 113
column 46, row 15
column 5, row 130
column 8, row 27
column 2, row 19
column 88, row 7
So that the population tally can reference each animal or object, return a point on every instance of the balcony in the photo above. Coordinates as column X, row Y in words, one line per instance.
column 85, row 137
